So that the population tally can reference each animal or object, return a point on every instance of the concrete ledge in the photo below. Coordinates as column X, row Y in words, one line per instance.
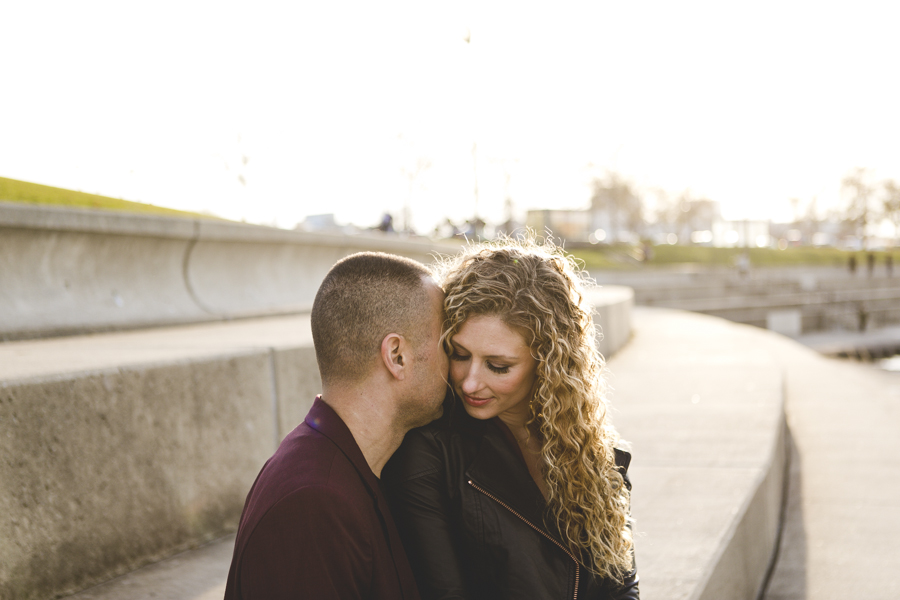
column 71, row 271
column 117, row 459
column 108, row 470
column 823, row 298
column 701, row 401
column 122, row 448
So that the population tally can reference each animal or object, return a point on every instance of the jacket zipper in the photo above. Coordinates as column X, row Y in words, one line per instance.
column 536, row 528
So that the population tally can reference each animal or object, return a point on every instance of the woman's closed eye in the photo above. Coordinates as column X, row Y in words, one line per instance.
column 499, row 369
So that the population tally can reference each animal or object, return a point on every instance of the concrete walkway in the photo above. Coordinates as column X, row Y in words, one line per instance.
column 194, row 575
column 842, row 533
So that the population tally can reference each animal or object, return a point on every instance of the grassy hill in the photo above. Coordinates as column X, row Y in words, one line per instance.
column 12, row 190
column 627, row 257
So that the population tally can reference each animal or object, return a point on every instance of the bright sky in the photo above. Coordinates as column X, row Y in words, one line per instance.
column 749, row 104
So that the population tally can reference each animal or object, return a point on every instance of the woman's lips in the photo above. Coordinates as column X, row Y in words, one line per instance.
column 476, row 402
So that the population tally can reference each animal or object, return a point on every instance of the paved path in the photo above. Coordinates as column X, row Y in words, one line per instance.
column 194, row 575
column 842, row 533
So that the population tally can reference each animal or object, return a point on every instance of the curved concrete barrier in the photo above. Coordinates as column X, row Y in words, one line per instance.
column 65, row 271
column 60, row 282
column 701, row 401
column 810, row 298
column 612, row 316
column 121, row 448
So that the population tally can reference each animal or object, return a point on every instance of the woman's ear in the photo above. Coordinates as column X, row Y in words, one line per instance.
column 393, row 354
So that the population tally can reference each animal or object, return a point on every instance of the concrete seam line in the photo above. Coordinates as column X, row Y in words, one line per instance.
column 276, row 413
column 782, row 515
column 186, row 268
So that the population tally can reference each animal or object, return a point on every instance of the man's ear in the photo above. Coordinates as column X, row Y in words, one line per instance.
column 393, row 354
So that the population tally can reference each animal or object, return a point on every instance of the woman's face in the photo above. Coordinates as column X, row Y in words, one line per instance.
column 492, row 370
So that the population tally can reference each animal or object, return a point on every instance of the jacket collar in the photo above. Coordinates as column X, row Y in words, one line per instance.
column 499, row 470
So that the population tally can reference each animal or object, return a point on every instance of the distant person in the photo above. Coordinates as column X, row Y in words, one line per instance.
column 316, row 524
column 870, row 263
column 387, row 223
column 446, row 230
column 851, row 264
column 743, row 263
column 474, row 228
column 520, row 491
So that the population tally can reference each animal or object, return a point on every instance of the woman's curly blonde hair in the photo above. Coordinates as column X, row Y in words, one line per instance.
column 538, row 290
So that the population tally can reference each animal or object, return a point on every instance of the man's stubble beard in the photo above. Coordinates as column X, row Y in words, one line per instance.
column 415, row 411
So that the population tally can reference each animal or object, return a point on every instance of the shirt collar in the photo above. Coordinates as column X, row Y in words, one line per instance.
column 323, row 419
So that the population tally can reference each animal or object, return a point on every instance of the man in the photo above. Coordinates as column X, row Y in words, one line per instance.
column 316, row 524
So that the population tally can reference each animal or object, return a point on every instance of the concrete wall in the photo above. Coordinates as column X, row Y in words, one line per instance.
column 112, row 455
column 701, row 402
column 69, row 271
column 819, row 298
column 120, row 448
column 746, row 552
column 104, row 471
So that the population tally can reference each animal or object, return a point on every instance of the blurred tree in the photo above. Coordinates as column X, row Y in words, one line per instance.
column 795, row 209
column 694, row 214
column 618, row 198
column 811, row 221
column 665, row 211
column 891, row 203
column 859, row 193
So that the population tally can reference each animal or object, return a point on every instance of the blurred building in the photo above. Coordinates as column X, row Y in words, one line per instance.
column 745, row 233
column 323, row 222
column 571, row 225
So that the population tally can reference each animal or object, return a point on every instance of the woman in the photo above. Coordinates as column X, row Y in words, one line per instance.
column 518, row 492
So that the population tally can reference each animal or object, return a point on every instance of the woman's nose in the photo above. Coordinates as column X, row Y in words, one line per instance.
column 471, row 383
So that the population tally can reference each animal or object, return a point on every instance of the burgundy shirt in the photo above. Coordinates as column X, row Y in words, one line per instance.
column 316, row 523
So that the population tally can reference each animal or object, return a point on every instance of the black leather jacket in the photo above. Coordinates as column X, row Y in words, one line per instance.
column 472, row 519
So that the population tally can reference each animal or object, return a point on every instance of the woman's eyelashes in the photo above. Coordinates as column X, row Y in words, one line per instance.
column 499, row 369
column 459, row 357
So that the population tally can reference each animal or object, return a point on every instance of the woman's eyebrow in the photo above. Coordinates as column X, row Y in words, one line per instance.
column 458, row 346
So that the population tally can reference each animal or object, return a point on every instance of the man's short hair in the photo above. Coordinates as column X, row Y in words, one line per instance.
column 363, row 298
